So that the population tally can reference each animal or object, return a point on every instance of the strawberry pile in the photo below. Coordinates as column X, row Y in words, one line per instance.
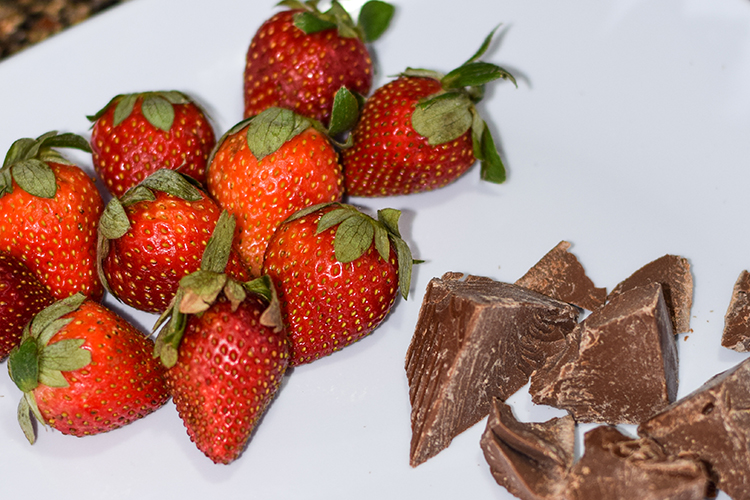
column 244, row 248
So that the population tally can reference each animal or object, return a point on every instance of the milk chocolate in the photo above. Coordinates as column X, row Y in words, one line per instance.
column 736, row 334
column 712, row 423
column 620, row 364
column 617, row 467
column 530, row 460
column 561, row 276
column 673, row 273
column 475, row 339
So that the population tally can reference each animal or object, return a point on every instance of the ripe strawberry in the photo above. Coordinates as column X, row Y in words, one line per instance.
column 422, row 131
column 21, row 297
column 300, row 58
column 49, row 209
column 268, row 167
column 136, row 134
column 227, row 351
column 84, row 370
column 155, row 235
column 337, row 272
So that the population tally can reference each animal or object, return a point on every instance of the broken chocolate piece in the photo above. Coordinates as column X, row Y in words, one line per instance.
column 736, row 333
column 531, row 460
column 560, row 275
column 673, row 273
column 619, row 366
column 616, row 467
column 712, row 423
column 475, row 339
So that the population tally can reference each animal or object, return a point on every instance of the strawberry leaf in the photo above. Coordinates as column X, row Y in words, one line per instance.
column 200, row 291
column 174, row 183
column 390, row 217
column 422, row 73
column 311, row 23
column 353, row 237
column 123, row 108
column 67, row 140
column 54, row 312
column 18, row 150
column 344, row 113
column 65, row 355
column 405, row 264
column 335, row 217
column 271, row 129
column 216, row 254
column 6, row 182
column 53, row 378
column 158, row 111
column 23, row 365
column 492, row 168
column 23, row 414
column 382, row 245
column 35, row 177
column 483, row 48
column 307, row 211
column 374, row 18
column 114, row 222
column 443, row 118
column 175, row 97
column 50, row 330
column 474, row 74
column 261, row 286
column 234, row 292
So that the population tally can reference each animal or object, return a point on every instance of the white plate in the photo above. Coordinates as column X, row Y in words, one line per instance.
column 628, row 136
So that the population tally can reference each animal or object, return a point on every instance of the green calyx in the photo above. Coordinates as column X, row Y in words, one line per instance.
column 157, row 107
column 451, row 112
column 36, row 362
column 114, row 222
column 357, row 232
column 373, row 20
column 270, row 129
column 199, row 290
column 27, row 163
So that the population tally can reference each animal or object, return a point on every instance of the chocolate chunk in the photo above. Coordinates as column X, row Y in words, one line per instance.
column 673, row 272
column 712, row 423
column 560, row 275
column 475, row 339
column 736, row 333
column 619, row 366
column 616, row 467
column 531, row 460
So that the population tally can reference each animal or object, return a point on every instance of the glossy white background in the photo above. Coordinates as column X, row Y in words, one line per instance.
column 627, row 136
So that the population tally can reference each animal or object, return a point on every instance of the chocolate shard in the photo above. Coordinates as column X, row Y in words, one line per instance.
column 475, row 339
column 619, row 366
column 530, row 460
column 561, row 276
column 673, row 273
column 736, row 334
column 712, row 423
column 617, row 467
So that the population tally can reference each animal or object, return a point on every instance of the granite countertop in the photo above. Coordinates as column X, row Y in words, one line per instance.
column 26, row 22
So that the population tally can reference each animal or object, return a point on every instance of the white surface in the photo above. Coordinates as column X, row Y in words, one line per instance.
column 628, row 136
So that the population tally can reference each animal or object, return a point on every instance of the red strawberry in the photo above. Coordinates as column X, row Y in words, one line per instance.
column 337, row 272
column 21, row 297
column 227, row 351
column 155, row 235
column 300, row 58
column 422, row 131
column 84, row 370
column 49, row 209
column 136, row 134
column 268, row 167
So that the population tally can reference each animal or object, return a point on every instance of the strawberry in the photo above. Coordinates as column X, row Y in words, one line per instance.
column 84, row 370
column 49, row 209
column 337, row 272
column 21, row 297
column 422, row 131
column 227, row 352
column 301, row 57
column 266, row 168
column 153, row 236
column 136, row 134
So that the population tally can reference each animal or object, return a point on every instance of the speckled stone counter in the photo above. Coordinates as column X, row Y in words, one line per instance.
column 26, row 22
